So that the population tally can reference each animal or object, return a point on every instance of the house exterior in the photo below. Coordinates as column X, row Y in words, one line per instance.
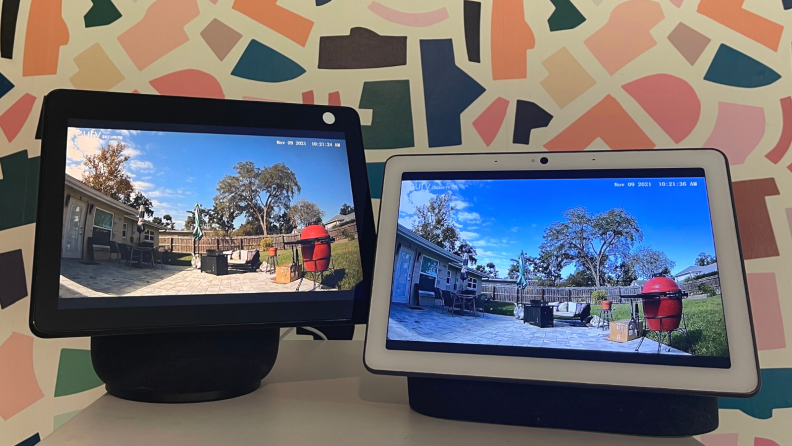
column 419, row 261
column 339, row 220
column 693, row 271
column 91, row 214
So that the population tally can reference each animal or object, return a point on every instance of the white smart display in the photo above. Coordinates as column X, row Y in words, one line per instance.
column 618, row 268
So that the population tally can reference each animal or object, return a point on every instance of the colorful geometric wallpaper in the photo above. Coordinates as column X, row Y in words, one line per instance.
column 427, row 77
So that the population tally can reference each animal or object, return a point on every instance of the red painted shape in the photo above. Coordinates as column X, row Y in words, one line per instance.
column 785, row 140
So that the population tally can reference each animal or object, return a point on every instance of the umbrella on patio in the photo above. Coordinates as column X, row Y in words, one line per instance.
column 141, row 214
column 197, row 232
column 521, row 284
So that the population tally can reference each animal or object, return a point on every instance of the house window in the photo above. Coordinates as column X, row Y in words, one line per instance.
column 102, row 227
column 148, row 235
column 123, row 231
column 472, row 283
column 448, row 277
column 429, row 266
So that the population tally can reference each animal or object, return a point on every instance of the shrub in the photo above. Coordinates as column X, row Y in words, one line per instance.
column 599, row 296
column 708, row 289
column 349, row 235
column 266, row 243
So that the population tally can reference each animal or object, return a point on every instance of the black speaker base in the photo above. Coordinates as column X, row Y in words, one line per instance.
column 185, row 367
column 587, row 409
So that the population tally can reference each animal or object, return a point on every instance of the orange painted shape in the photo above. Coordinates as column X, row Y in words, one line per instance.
column 190, row 83
column 510, row 38
column 13, row 119
column 627, row 34
column 289, row 24
column 308, row 97
column 334, row 98
column 159, row 32
column 46, row 32
column 730, row 13
column 607, row 120
column 18, row 386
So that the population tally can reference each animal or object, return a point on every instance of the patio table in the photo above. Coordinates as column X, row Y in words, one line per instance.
column 142, row 249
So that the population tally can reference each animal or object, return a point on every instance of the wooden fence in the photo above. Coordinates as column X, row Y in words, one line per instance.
column 509, row 293
column 186, row 244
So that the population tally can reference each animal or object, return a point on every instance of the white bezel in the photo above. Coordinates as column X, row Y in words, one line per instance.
column 741, row 379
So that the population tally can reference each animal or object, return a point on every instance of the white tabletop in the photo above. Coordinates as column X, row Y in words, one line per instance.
column 318, row 393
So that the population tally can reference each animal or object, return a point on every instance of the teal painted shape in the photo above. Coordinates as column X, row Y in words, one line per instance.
column 75, row 372
column 5, row 85
column 735, row 69
column 103, row 12
column 565, row 16
column 263, row 64
column 61, row 419
column 776, row 393
column 392, row 121
column 18, row 190
column 375, row 173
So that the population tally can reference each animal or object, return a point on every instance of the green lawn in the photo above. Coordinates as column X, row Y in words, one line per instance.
column 346, row 259
column 704, row 319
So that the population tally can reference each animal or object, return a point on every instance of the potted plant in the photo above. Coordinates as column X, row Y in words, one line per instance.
column 267, row 245
column 600, row 297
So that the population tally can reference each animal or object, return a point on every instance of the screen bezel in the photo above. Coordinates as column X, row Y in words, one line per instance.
column 63, row 106
column 742, row 378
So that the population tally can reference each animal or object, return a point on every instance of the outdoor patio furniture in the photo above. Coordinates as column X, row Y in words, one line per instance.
column 156, row 256
column 538, row 315
column 605, row 318
column 143, row 252
column 216, row 264
column 578, row 311
column 253, row 259
column 126, row 253
column 114, row 250
column 451, row 301
column 437, row 295
column 478, row 304
column 272, row 263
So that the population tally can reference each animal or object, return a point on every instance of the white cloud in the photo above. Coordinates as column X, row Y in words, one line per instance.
column 143, row 166
column 515, row 229
column 460, row 204
column 142, row 185
column 75, row 170
column 468, row 235
column 81, row 145
column 469, row 217
column 129, row 151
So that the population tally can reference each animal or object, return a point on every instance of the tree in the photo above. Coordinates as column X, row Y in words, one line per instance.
column 491, row 271
column 590, row 239
column 623, row 274
column 580, row 278
column 549, row 264
column 434, row 222
column 139, row 200
column 705, row 259
column 257, row 191
column 305, row 213
column 346, row 209
column 465, row 247
column 157, row 220
column 169, row 221
column 649, row 262
column 104, row 172
column 189, row 222
column 481, row 269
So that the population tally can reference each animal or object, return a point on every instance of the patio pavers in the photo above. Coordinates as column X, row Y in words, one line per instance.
column 432, row 325
column 109, row 278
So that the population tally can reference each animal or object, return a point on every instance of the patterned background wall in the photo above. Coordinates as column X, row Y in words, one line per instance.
column 440, row 76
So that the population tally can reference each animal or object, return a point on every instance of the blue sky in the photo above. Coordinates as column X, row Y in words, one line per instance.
column 176, row 170
column 501, row 217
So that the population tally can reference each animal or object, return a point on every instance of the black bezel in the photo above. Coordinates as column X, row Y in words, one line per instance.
column 48, row 320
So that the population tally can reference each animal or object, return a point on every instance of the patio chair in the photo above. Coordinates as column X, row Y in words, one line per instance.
column 158, row 255
column 437, row 296
column 114, row 250
column 478, row 304
column 451, row 301
column 126, row 253
column 253, row 259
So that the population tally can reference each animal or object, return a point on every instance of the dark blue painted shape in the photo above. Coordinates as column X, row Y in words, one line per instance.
column 322, row 2
column 776, row 393
column 787, row 4
column 448, row 91
column 30, row 441
column 261, row 63
column 735, row 69
column 5, row 85
column 375, row 173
